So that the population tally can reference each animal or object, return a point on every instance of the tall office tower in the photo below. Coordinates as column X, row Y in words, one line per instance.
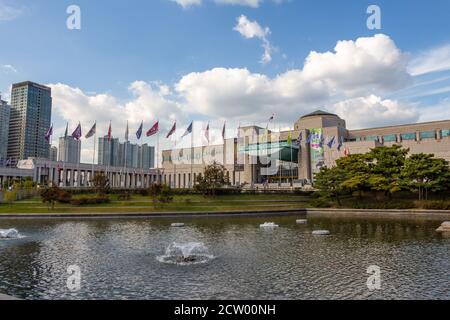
column 146, row 157
column 137, row 156
column 4, row 129
column 108, row 151
column 53, row 153
column 31, row 112
column 69, row 150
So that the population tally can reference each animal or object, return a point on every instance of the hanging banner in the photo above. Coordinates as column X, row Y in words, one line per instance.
column 316, row 150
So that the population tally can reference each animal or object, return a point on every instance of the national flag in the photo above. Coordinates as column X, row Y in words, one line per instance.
column 67, row 130
column 331, row 142
column 126, row 133
column 300, row 138
column 188, row 130
column 109, row 132
column 272, row 117
column 207, row 133
column 92, row 132
column 172, row 131
column 153, row 130
column 77, row 133
column 139, row 131
column 341, row 143
column 322, row 140
column 49, row 133
column 224, row 130
column 309, row 138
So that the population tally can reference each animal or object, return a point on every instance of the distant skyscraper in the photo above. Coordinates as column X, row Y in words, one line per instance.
column 69, row 150
column 53, row 153
column 4, row 129
column 113, row 153
column 31, row 112
column 108, row 151
column 146, row 157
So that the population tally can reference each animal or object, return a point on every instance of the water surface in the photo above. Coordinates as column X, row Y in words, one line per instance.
column 119, row 259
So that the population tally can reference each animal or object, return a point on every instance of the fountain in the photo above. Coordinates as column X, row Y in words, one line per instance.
column 268, row 225
column 177, row 225
column 186, row 253
column 321, row 232
column 9, row 234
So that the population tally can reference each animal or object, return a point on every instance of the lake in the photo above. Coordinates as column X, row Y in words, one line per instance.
column 225, row 258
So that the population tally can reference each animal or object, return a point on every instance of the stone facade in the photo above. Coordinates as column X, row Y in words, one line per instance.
column 246, row 157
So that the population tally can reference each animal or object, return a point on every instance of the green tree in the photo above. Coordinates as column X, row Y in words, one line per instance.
column 214, row 177
column 423, row 172
column 357, row 172
column 100, row 183
column 160, row 194
column 385, row 165
column 329, row 182
column 50, row 196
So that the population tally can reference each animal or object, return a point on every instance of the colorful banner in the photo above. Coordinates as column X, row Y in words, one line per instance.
column 316, row 150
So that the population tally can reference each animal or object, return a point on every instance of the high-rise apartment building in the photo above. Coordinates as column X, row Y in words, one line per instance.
column 69, row 150
column 31, row 112
column 116, row 154
column 5, row 110
column 108, row 151
column 53, row 153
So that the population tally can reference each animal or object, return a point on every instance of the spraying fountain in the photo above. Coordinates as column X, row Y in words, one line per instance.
column 9, row 234
column 186, row 253
column 268, row 225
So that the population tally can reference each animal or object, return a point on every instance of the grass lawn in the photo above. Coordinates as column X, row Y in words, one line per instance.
column 181, row 203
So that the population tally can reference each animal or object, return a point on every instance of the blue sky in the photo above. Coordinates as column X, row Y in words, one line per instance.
column 149, row 60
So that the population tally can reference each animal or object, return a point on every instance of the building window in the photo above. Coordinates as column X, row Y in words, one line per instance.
column 390, row 138
column 446, row 133
column 408, row 136
column 372, row 138
column 428, row 135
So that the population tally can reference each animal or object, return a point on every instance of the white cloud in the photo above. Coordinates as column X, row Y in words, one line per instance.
column 251, row 29
column 188, row 3
column 357, row 68
column 7, row 68
column 8, row 13
column 437, row 59
column 372, row 63
column 373, row 111
column 248, row 3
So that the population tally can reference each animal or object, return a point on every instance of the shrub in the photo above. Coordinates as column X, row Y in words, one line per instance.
column 320, row 202
column 382, row 205
column 436, row 205
column 90, row 200
column 63, row 196
column 160, row 193
column 124, row 197
column 10, row 196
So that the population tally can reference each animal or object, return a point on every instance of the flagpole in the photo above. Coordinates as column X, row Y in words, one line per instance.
column 175, row 166
column 290, row 166
column 157, row 158
column 192, row 155
column 93, row 156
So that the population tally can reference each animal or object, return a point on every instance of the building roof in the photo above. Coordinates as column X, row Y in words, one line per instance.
column 318, row 113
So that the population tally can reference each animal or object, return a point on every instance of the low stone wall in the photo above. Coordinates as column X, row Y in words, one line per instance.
column 379, row 213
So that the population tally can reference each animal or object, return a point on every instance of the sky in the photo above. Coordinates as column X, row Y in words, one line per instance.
column 238, row 61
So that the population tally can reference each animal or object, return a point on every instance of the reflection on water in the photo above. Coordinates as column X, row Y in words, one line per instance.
column 121, row 259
